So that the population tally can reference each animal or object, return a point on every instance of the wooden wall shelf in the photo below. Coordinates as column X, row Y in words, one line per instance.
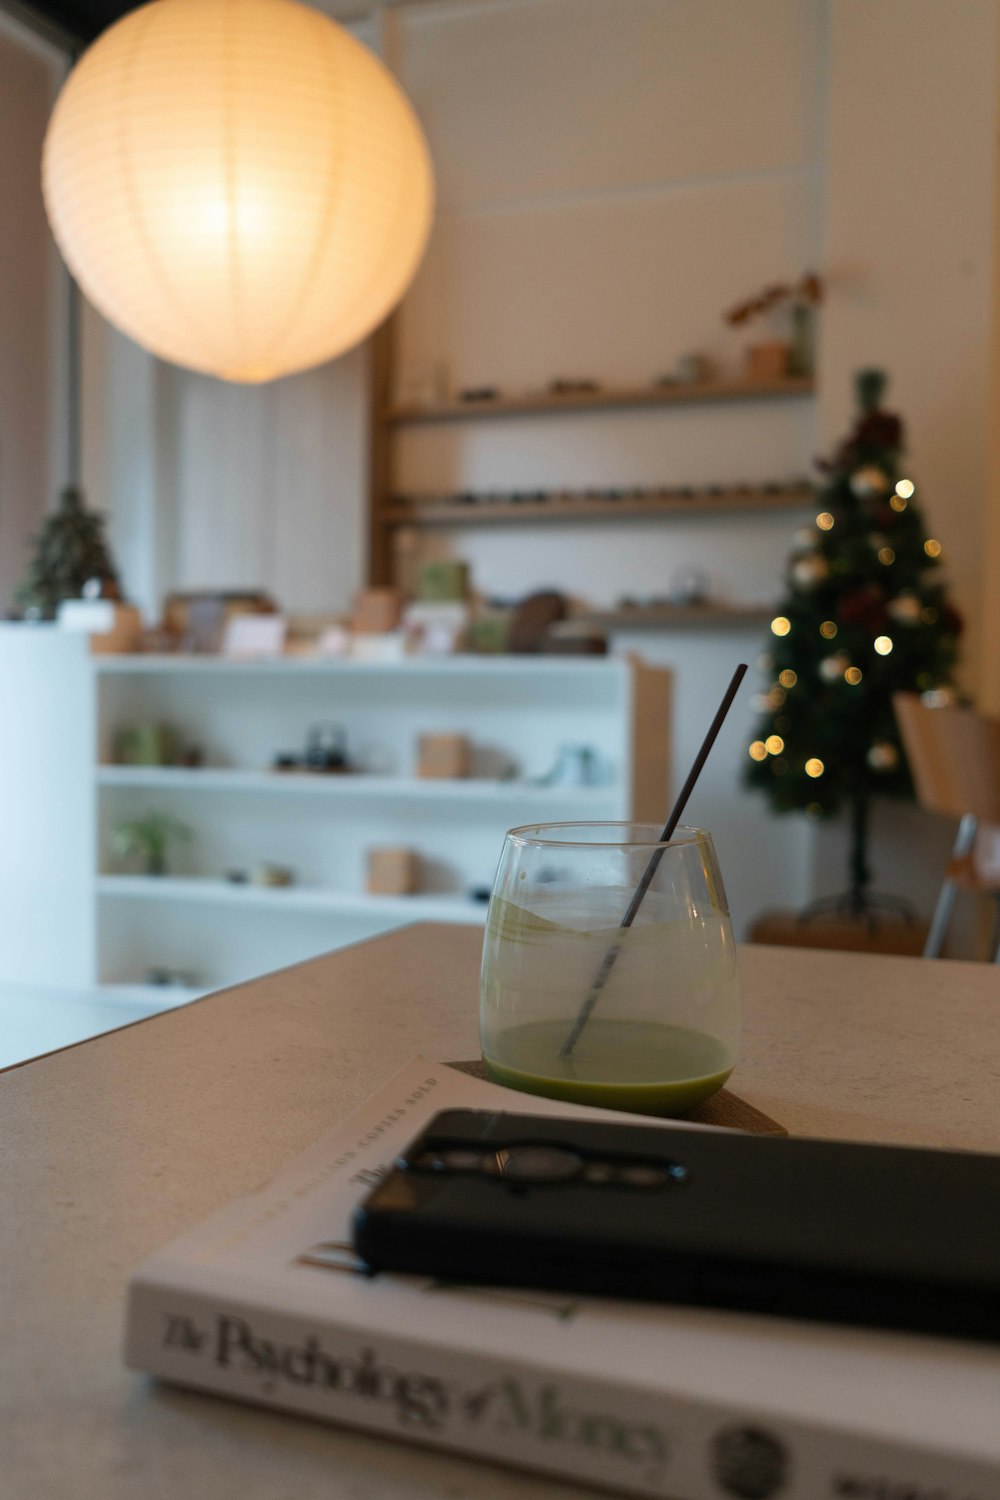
column 578, row 507
column 681, row 617
column 546, row 403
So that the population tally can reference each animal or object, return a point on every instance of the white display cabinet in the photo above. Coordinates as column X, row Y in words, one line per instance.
column 95, row 921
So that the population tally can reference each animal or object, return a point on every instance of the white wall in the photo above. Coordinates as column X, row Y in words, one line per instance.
column 910, row 227
column 611, row 178
column 31, row 303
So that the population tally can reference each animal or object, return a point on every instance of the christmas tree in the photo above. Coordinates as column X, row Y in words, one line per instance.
column 866, row 616
column 71, row 552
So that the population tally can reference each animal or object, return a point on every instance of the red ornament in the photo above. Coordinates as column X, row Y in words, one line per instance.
column 864, row 606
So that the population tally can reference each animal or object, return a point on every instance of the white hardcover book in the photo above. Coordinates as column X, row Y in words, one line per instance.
column 264, row 1302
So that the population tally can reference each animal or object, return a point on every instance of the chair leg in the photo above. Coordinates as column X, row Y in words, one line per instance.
column 964, row 842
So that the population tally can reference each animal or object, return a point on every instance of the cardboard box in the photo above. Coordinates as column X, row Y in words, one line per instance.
column 768, row 361
column 443, row 582
column 377, row 611
column 392, row 872
column 443, row 756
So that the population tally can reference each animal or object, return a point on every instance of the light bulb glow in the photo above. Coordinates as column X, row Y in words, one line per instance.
column 905, row 488
column 242, row 188
column 788, row 678
column 814, row 767
column 758, row 750
column 898, row 503
column 774, row 744
column 883, row 644
column 780, row 625
column 828, row 630
column 932, row 548
column 853, row 675
column 886, row 556
column 824, row 521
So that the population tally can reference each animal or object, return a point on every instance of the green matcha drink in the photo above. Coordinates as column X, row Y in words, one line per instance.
column 664, row 1033
column 641, row 1066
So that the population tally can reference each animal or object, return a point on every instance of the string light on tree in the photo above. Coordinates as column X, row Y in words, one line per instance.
column 883, row 756
column 906, row 610
column 870, row 481
column 774, row 744
column 865, row 616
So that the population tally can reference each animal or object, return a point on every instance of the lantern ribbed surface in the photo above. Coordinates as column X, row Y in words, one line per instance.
column 238, row 185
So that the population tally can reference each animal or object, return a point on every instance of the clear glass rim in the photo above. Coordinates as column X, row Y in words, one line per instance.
column 540, row 835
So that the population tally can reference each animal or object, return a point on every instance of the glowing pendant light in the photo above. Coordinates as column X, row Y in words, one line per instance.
column 238, row 185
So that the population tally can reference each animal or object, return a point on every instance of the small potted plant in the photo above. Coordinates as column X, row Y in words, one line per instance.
column 149, row 838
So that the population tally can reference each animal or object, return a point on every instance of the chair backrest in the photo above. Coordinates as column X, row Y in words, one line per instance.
column 954, row 754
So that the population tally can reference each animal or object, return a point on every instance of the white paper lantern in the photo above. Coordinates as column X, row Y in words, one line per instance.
column 238, row 185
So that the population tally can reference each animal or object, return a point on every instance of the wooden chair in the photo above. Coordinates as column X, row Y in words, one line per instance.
column 954, row 755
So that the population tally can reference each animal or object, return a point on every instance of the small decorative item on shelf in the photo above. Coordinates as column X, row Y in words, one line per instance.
column 573, row 386
column 533, row 619
column 479, row 393
column 162, row 977
column 387, row 647
column 576, row 766
column 690, row 369
column 392, row 872
column 148, row 745
column 326, row 748
column 798, row 353
column 305, row 632
column 689, row 586
column 325, row 751
column 197, row 619
column 575, row 638
column 254, row 637
column 268, row 874
column 334, row 641
column 149, row 838
column 443, row 581
column 114, row 628
column 768, row 361
column 436, row 629
column 423, row 385
column 377, row 611
column 443, row 756
column 490, row 629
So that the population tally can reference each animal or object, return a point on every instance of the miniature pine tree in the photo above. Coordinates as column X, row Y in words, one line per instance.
column 865, row 616
column 70, row 551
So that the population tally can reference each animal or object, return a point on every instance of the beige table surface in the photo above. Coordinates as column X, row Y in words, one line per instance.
column 110, row 1148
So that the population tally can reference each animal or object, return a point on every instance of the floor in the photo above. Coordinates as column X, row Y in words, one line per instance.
column 35, row 1021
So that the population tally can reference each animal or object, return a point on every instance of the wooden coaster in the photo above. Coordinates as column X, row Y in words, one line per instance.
column 724, row 1108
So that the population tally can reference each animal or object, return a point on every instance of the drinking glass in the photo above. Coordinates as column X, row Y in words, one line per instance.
column 574, row 1006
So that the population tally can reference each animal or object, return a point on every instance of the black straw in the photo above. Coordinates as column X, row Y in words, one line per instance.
column 611, row 957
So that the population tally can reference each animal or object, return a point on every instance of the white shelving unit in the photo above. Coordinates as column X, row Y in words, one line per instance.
column 78, row 918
